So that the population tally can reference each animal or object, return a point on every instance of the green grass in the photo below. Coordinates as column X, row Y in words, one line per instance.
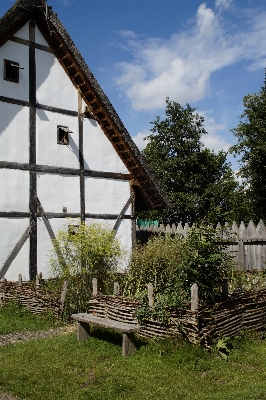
column 14, row 318
column 61, row 368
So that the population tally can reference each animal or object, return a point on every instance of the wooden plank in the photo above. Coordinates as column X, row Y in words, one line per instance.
column 107, row 323
column 16, row 250
column 128, row 344
column 121, row 215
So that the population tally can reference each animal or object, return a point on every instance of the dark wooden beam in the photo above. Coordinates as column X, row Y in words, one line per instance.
column 63, row 170
column 24, row 103
column 32, row 153
column 122, row 214
column 14, row 214
column 28, row 43
column 16, row 250
column 81, row 160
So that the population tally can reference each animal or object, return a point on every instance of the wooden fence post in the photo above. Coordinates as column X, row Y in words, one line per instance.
column 20, row 280
column 194, row 297
column 225, row 289
column 63, row 295
column 94, row 287
column 116, row 288
column 150, row 295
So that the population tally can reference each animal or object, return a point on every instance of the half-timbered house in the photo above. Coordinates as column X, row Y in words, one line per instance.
column 64, row 151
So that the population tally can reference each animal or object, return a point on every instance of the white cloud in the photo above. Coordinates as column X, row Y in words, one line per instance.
column 181, row 66
column 139, row 139
column 223, row 3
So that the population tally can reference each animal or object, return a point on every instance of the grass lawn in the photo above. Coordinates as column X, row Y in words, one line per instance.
column 61, row 368
column 14, row 318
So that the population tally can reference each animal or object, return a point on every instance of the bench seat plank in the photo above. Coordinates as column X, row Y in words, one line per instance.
column 106, row 323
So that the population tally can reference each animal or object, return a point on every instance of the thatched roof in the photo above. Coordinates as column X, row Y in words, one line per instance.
column 149, row 194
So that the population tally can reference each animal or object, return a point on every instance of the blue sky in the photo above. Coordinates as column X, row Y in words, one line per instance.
column 208, row 54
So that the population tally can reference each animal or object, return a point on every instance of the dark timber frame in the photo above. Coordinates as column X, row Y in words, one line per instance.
column 144, row 189
column 32, row 153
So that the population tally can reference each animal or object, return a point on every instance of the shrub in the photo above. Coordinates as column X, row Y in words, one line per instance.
column 173, row 263
column 82, row 252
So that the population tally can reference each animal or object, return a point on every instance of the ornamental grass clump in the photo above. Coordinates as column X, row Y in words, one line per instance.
column 82, row 252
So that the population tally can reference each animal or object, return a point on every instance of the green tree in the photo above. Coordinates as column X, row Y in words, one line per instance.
column 251, row 146
column 199, row 182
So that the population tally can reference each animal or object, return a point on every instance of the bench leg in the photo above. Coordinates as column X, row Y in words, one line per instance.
column 128, row 345
column 83, row 331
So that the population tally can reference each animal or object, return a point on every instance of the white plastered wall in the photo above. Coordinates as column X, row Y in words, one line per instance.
column 54, row 88
column 49, row 152
column 99, row 153
column 56, row 191
column 18, row 53
column 39, row 37
column 14, row 194
column 14, row 133
column 23, row 33
column 11, row 230
column 106, row 196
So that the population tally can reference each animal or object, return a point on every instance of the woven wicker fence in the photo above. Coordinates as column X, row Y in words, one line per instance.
column 199, row 324
column 33, row 295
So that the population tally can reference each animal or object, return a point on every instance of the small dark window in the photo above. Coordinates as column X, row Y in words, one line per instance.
column 73, row 229
column 11, row 71
column 62, row 134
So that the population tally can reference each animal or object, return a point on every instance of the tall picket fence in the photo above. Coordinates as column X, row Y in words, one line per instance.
column 247, row 243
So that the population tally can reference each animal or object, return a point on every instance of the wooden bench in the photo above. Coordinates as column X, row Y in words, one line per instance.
column 84, row 320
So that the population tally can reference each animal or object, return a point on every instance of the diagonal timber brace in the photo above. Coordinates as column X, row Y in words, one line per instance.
column 16, row 249
column 49, row 229
column 122, row 213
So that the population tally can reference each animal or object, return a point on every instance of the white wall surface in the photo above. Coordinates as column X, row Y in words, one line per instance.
column 99, row 153
column 39, row 37
column 11, row 229
column 14, row 133
column 18, row 53
column 54, row 88
column 14, row 190
column 106, row 196
column 23, row 33
column 58, row 191
column 48, row 151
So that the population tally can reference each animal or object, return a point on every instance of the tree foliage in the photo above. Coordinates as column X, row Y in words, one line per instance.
column 251, row 146
column 198, row 182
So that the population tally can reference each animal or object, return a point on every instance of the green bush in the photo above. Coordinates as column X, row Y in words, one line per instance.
column 173, row 263
column 82, row 252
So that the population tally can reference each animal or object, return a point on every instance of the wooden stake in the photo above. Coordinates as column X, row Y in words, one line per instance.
column 116, row 288
column 94, row 287
column 194, row 297
column 150, row 295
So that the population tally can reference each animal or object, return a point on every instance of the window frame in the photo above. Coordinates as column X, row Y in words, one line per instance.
column 16, row 66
